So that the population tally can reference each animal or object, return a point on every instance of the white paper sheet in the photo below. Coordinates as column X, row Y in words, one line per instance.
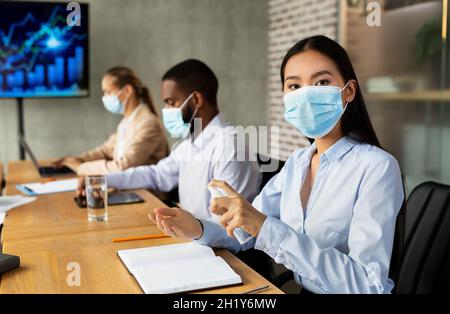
column 186, row 275
column 9, row 202
column 2, row 218
column 53, row 186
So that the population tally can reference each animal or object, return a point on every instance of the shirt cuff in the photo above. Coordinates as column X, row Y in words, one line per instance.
column 203, row 229
column 209, row 230
column 270, row 236
column 113, row 180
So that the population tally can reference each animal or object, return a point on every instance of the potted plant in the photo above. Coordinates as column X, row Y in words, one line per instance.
column 427, row 52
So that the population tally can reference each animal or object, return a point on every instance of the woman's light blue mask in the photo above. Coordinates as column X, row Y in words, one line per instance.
column 113, row 104
column 173, row 120
column 314, row 110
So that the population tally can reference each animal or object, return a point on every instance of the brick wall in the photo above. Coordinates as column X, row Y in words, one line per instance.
column 290, row 21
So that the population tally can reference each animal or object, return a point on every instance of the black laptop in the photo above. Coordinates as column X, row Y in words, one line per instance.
column 45, row 172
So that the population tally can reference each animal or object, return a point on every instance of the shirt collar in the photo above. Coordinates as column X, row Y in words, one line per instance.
column 218, row 122
column 336, row 151
column 127, row 120
column 339, row 149
column 134, row 113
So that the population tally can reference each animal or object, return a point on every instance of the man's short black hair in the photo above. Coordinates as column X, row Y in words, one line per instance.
column 194, row 75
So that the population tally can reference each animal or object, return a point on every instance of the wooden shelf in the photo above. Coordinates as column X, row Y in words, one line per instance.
column 410, row 96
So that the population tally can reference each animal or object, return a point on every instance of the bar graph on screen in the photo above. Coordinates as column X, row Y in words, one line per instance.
column 40, row 54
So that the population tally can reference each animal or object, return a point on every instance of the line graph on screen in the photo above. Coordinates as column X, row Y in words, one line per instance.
column 40, row 54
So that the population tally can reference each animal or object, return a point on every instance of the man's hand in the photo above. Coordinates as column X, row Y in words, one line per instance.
column 177, row 223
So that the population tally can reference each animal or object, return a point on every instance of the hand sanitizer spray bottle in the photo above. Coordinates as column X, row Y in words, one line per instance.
column 242, row 236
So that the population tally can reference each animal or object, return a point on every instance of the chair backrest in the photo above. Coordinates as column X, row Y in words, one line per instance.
column 398, row 249
column 258, row 260
column 426, row 262
column 266, row 160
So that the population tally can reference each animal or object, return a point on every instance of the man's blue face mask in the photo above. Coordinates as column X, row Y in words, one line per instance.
column 173, row 120
column 314, row 110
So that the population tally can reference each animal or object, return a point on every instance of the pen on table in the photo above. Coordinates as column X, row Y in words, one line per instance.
column 28, row 189
column 258, row 289
column 143, row 237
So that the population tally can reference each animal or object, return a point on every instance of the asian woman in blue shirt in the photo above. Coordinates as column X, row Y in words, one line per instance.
column 330, row 214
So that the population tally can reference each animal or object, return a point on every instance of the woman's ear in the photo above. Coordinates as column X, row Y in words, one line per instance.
column 350, row 91
column 128, row 90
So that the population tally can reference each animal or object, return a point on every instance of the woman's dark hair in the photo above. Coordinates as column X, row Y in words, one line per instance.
column 355, row 121
column 125, row 76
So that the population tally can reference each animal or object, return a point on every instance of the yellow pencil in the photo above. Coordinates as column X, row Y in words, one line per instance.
column 143, row 237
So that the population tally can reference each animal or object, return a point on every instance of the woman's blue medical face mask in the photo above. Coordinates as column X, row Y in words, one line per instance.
column 314, row 110
column 174, row 122
column 113, row 104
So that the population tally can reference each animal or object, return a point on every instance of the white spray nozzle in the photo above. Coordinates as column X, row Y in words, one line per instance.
column 242, row 236
column 216, row 192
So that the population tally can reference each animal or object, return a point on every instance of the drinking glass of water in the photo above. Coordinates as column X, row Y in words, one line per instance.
column 97, row 198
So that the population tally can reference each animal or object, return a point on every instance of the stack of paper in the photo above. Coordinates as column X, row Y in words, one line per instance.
column 178, row 268
column 10, row 202
column 48, row 187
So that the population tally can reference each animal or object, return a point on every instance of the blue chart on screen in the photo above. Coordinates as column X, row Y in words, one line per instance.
column 41, row 54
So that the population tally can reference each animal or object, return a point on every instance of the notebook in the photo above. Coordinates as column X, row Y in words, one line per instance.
column 178, row 268
column 48, row 187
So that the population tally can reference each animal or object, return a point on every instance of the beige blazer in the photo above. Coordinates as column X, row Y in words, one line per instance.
column 145, row 143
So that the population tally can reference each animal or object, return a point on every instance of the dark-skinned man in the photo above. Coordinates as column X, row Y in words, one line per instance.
column 207, row 149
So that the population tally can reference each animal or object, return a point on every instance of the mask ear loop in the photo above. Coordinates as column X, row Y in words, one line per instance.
column 184, row 104
column 345, row 86
column 193, row 116
column 187, row 100
column 345, row 107
column 124, row 104
column 342, row 89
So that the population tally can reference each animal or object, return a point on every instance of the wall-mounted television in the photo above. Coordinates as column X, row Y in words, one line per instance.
column 43, row 53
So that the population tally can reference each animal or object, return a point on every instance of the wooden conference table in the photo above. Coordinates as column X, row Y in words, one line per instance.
column 53, row 232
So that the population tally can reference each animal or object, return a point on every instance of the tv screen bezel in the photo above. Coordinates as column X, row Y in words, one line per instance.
column 88, row 94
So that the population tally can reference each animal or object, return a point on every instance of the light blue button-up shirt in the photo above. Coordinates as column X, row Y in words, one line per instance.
column 342, row 242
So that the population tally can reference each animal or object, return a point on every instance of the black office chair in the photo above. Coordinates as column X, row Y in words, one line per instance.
column 256, row 259
column 171, row 198
column 425, row 268
column 264, row 161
